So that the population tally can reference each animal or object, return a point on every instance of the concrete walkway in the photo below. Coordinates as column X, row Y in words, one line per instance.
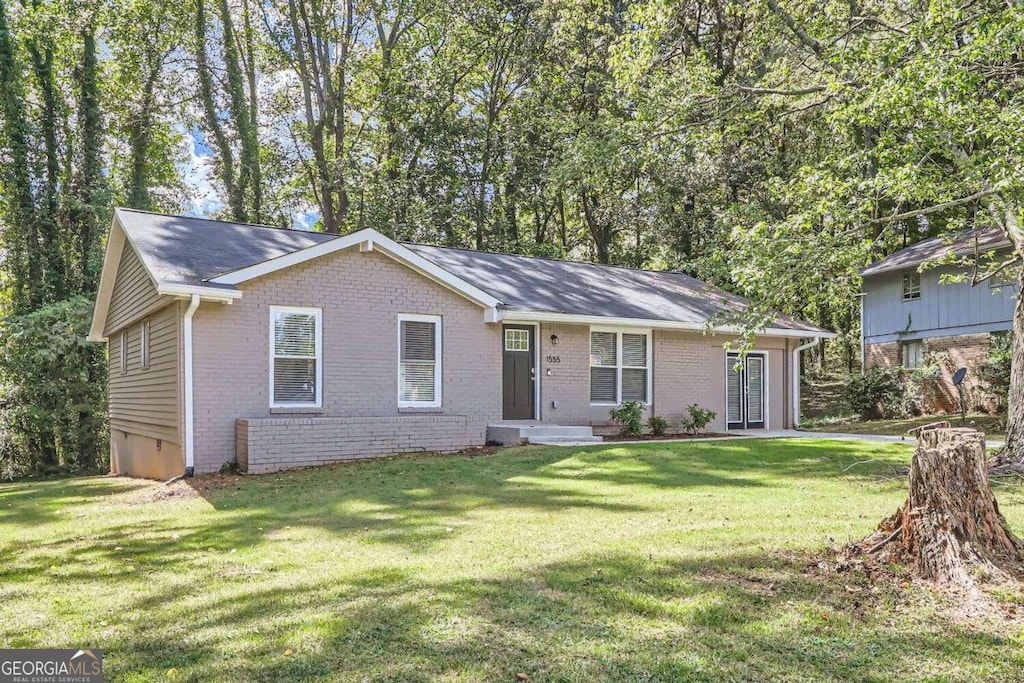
column 771, row 434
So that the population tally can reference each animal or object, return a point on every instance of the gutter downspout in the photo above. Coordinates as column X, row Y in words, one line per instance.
column 190, row 460
column 796, row 378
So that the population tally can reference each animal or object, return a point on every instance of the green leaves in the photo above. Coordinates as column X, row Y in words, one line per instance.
column 54, row 397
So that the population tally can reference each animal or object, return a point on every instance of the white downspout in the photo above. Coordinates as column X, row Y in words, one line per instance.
column 190, row 458
column 796, row 378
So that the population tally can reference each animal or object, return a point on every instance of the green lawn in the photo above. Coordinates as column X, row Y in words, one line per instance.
column 658, row 562
column 994, row 426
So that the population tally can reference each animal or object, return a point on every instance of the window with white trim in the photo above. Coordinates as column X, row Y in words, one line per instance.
column 296, row 357
column 144, row 345
column 911, row 286
column 620, row 367
column 124, row 351
column 419, row 361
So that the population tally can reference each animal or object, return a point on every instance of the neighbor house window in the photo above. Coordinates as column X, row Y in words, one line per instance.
column 911, row 286
column 620, row 365
column 419, row 361
column 144, row 345
column 913, row 354
column 296, row 353
column 124, row 351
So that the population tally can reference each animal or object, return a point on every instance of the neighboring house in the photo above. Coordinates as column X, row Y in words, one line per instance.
column 910, row 318
column 285, row 348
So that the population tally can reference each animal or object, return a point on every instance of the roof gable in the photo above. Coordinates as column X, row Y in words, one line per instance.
column 134, row 292
column 367, row 240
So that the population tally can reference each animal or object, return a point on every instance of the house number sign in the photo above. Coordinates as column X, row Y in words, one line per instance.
column 552, row 359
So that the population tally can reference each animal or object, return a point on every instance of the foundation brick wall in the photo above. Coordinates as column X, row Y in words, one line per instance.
column 962, row 351
column 268, row 444
column 884, row 355
column 949, row 353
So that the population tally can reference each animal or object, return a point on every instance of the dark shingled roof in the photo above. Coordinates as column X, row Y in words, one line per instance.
column 554, row 286
column 183, row 250
column 936, row 247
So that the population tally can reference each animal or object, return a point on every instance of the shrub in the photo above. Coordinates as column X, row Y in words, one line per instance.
column 630, row 418
column 995, row 369
column 658, row 425
column 874, row 393
column 697, row 419
column 52, row 392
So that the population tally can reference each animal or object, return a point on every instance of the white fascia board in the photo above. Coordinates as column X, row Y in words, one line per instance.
column 368, row 239
column 108, row 274
column 598, row 320
column 207, row 293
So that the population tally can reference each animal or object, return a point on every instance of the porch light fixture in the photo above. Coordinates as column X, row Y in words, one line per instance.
column 554, row 340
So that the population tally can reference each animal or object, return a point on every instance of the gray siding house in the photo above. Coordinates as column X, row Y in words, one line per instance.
column 283, row 348
column 910, row 318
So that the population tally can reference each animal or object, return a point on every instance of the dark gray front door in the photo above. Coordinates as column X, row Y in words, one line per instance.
column 518, row 373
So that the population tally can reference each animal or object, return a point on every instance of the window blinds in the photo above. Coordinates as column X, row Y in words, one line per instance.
column 295, row 358
column 418, row 363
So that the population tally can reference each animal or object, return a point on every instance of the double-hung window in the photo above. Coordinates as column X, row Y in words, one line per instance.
column 419, row 361
column 620, row 367
column 296, row 357
column 911, row 286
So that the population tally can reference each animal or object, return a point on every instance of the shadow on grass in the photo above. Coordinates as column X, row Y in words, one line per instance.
column 613, row 618
column 40, row 501
column 410, row 502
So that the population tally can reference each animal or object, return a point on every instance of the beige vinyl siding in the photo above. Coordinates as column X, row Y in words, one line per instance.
column 146, row 401
column 134, row 292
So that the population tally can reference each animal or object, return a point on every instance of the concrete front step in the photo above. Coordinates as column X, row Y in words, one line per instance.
column 510, row 433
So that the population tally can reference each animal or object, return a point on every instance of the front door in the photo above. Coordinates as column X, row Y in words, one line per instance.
column 744, row 391
column 518, row 372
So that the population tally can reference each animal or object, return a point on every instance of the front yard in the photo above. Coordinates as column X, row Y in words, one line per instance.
column 657, row 562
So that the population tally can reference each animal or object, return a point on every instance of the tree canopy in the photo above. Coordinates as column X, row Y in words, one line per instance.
column 772, row 147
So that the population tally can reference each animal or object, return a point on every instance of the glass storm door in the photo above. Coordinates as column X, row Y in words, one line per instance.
column 744, row 391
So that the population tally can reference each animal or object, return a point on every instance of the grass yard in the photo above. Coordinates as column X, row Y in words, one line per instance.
column 657, row 562
column 994, row 426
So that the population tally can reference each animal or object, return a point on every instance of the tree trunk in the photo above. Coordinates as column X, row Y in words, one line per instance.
column 950, row 529
column 1013, row 451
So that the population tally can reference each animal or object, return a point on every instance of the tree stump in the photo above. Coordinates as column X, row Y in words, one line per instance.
column 950, row 529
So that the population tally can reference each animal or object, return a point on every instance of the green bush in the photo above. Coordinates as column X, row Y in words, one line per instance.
column 657, row 425
column 875, row 393
column 630, row 418
column 697, row 419
column 996, row 367
column 52, row 393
